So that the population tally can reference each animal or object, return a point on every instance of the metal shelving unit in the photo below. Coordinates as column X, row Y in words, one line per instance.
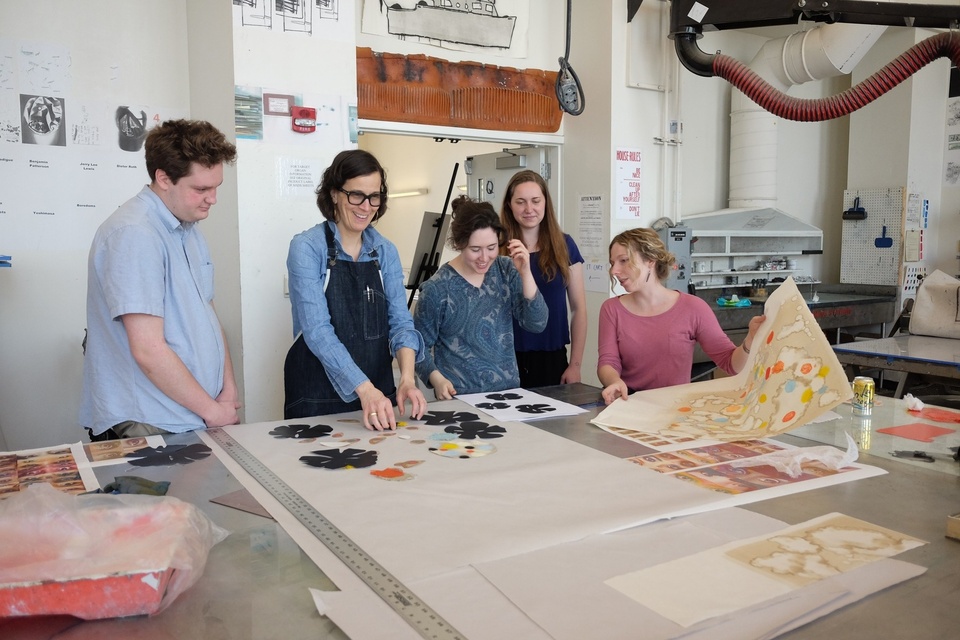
column 734, row 247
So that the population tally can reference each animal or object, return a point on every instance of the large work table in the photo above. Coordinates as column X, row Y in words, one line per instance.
column 909, row 355
column 256, row 582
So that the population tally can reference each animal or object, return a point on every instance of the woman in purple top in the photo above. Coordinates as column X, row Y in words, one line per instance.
column 647, row 336
column 528, row 215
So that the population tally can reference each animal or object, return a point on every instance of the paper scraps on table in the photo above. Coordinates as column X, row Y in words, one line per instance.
column 391, row 473
column 790, row 461
column 938, row 414
column 244, row 501
column 917, row 431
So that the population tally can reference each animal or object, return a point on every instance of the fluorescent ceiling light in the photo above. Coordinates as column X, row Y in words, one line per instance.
column 409, row 193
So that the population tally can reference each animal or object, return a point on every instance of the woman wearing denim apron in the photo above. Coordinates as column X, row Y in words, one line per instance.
column 350, row 316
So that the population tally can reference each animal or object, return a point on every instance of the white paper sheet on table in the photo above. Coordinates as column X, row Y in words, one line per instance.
column 791, row 377
column 537, row 492
column 519, row 405
column 725, row 579
column 562, row 588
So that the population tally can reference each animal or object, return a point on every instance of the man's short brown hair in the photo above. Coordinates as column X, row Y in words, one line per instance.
column 175, row 144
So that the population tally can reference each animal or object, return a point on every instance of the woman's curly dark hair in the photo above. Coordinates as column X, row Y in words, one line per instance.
column 469, row 216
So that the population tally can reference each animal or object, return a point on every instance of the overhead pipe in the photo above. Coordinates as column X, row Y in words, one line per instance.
column 813, row 54
column 941, row 45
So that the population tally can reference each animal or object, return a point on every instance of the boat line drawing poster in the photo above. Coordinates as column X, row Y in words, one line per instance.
column 724, row 579
column 791, row 377
column 491, row 26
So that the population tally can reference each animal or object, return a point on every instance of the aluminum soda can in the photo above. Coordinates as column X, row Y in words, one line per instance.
column 864, row 390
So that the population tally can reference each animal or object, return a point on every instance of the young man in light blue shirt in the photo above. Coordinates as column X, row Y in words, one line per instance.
column 156, row 358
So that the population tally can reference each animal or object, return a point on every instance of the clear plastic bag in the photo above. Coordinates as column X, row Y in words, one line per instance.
column 790, row 461
column 99, row 555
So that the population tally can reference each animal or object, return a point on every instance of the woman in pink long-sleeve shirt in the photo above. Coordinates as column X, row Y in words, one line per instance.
column 647, row 336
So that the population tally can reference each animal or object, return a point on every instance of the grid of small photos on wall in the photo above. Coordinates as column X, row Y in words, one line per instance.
column 872, row 247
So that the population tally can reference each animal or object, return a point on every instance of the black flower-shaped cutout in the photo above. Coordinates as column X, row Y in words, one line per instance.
column 534, row 408
column 301, row 431
column 492, row 405
column 437, row 418
column 503, row 396
column 471, row 430
column 341, row 459
column 172, row 454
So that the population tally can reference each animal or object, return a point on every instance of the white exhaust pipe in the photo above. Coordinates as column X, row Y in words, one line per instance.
column 823, row 52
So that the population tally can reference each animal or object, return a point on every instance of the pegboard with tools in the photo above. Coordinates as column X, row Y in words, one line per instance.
column 872, row 245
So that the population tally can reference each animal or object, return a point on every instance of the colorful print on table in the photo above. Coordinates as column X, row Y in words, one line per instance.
column 116, row 451
column 726, row 478
column 686, row 459
column 463, row 449
column 765, row 567
column 65, row 467
column 716, row 468
column 519, row 405
column 820, row 548
column 791, row 376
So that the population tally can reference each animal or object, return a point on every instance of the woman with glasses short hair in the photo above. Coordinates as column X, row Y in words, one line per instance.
column 465, row 311
column 350, row 315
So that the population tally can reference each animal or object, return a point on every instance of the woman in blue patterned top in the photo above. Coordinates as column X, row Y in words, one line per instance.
column 465, row 312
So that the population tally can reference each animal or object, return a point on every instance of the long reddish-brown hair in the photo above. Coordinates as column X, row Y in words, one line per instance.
column 554, row 256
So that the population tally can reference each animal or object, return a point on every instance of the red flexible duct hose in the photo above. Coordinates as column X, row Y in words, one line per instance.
column 818, row 109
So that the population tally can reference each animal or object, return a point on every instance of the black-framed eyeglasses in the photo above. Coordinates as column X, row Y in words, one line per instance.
column 356, row 198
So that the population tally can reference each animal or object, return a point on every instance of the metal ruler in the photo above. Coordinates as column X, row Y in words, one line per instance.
column 417, row 613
